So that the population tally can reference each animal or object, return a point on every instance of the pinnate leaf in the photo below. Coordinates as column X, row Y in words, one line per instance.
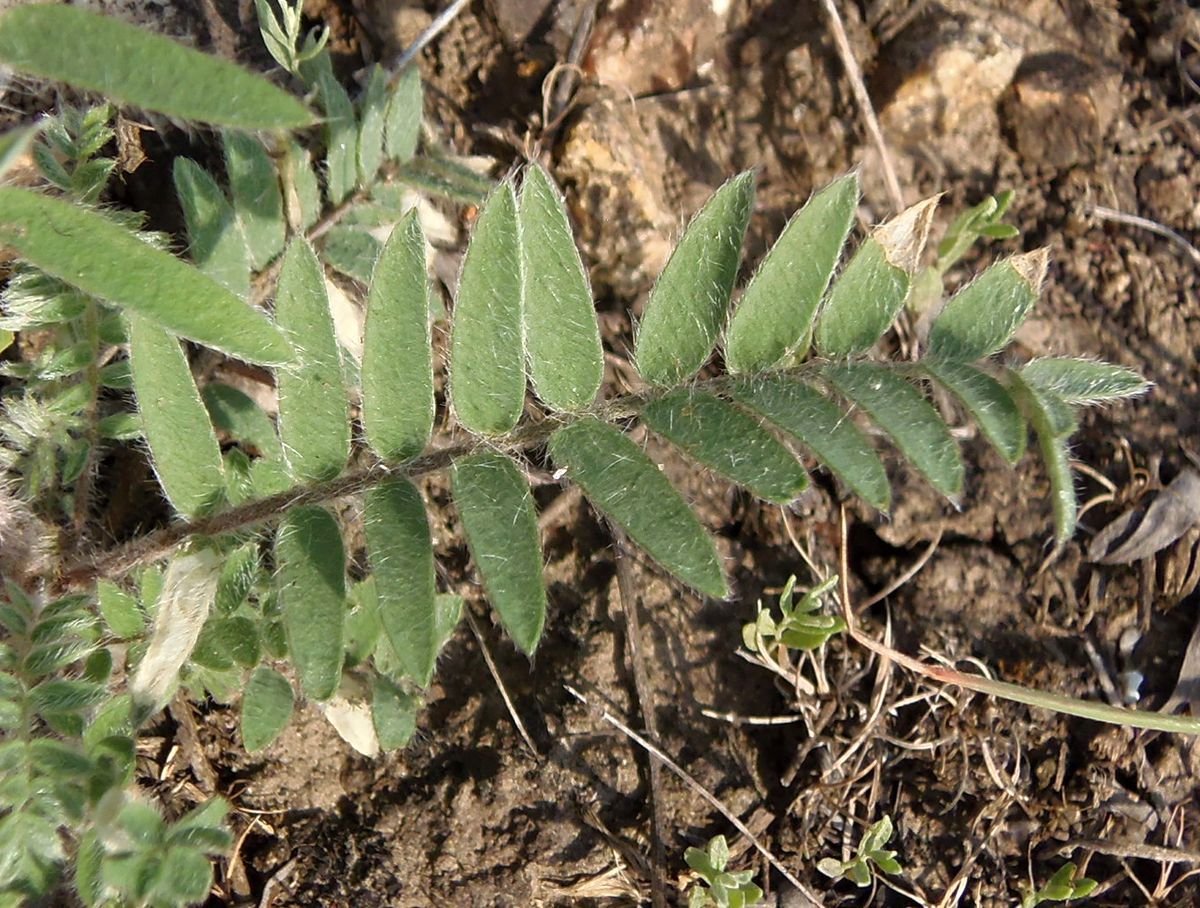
column 987, row 401
column 401, row 553
column 623, row 483
column 776, row 311
column 311, row 573
column 90, row 252
column 266, row 708
column 903, row 412
column 565, row 358
column 257, row 197
column 397, row 370
column 498, row 517
column 487, row 355
column 823, row 429
column 137, row 68
column 314, row 418
column 728, row 440
column 981, row 318
column 214, row 241
column 175, row 423
column 1083, row 381
column 689, row 302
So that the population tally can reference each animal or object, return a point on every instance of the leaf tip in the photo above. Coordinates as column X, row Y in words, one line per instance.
column 903, row 237
column 1032, row 267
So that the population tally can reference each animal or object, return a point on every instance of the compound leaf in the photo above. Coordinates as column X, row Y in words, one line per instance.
column 867, row 296
column 397, row 366
column 394, row 712
column 496, row 508
column 257, row 197
column 402, row 128
column 903, row 412
column 775, row 314
column 1083, row 381
column 987, row 400
column 90, row 252
column 214, row 241
column 314, row 418
column 982, row 316
column 688, row 304
column 311, row 572
column 728, row 440
column 625, row 484
column 401, row 552
column 823, row 429
column 183, row 446
column 487, row 355
column 137, row 68
column 266, row 708
column 565, row 357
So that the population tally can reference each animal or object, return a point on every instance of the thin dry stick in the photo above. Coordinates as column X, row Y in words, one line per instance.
column 865, row 108
column 435, row 28
column 905, row 577
column 695, row 786
column 1133, row 220
column 487, row 658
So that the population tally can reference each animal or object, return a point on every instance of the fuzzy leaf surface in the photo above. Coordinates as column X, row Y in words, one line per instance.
column 88, row 251
column 341, row 136
column 214, row 241
column 487, row 351
column 728, row 440
column 397, row 365
column 236, row 413
column 1053, row 421
column 497, row 512
column 371, row 126
column 402, row 128
column 626, row 485
column 563, row 337
column 311, row 573
column 314, row 417
column 1083, row 381
column 689, row 302
column 822, row 428
column 266, row 708
column 981, row 318
column 257, row 197
column 351, row 251
column 137, row 68
column 903, row 413
column 394, row 712
column 776, row 311
column 183, row 446
column 401, row 553
column 987, row 401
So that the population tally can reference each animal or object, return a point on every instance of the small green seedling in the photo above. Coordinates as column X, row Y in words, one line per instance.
column 728, row 889
column 282, row 35
column 1062, row 887
column 802, row 625
column 870, row 851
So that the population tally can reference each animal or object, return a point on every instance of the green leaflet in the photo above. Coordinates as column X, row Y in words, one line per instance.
column 136, row 68
column 182, row 444
column 402, row 129
column 341, row 136
column 90, row 252
column 397, row 365
column 257, row 198
column 13, row 144
column 626, row 485
column 903, row 412
column 214, row 241
column 565, row 358
column 304, row 192
column 823, row 429
column 487, row 356
column 394, row 713
column 314, row 417
column 868, row 295
column 401, row 553
column 728, row 440
column 371, row 126
column 1053, row 421
column 311, row 573
column 496, row 509
column 980, row 318
column 351, row 251
column 987, row 400
column 266, row 708
column 775, row 314
column 1083, row 381
column 120, row 611
column 688, row 304
column 235, row 412
column 445, row 177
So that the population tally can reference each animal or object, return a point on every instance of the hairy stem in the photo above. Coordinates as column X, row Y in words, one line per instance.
column 91, row 376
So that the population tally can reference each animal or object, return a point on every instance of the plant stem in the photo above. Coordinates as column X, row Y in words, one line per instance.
column 91, row 375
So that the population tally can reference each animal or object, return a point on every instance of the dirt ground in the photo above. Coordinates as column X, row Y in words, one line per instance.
column 1081, row 107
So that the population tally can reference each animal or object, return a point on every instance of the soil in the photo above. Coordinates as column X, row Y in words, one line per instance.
column 1077, row 106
